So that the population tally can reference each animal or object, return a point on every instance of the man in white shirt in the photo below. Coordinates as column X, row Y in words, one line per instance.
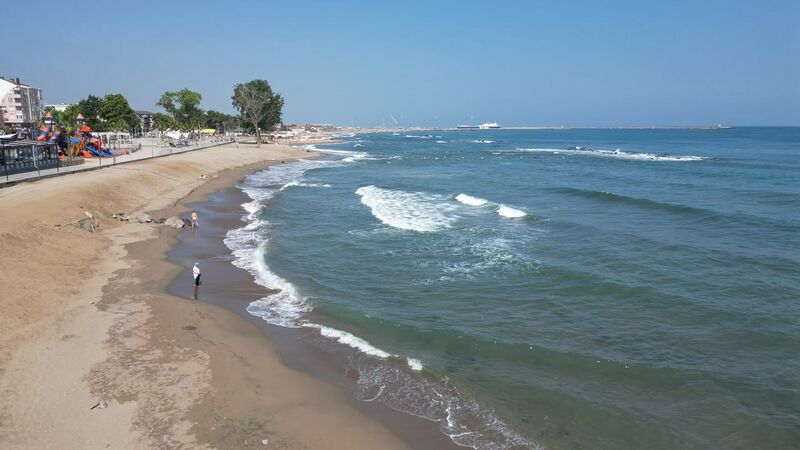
column 196, row 274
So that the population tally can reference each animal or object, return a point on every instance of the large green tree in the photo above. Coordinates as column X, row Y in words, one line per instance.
column 162, row 122
column 117, row 115
column 184, row 107
column 90, row 107
column 259, row 107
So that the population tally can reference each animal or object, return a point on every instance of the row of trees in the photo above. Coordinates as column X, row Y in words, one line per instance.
column 109, row 113
column 260, row 109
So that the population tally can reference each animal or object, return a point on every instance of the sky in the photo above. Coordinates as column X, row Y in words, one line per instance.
column 427, row 63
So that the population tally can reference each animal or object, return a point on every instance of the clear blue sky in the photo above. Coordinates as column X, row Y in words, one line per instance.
column 427, row 63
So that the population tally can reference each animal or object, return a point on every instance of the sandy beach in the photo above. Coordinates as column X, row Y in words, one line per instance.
column 87, row 320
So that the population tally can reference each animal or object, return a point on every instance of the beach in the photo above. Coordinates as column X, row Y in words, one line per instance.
column 97, row 354
column 491, row 289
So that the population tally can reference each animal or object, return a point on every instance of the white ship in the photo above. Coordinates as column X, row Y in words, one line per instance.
column 488, row 125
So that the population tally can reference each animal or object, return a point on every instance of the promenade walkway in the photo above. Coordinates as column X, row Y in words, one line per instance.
column 151, row 148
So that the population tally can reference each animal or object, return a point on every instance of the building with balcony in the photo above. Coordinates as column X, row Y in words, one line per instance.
column 20, row 104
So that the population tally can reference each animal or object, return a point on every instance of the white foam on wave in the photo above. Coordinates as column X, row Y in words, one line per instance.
column 347, row 155
column 507, row 211
column 249, row 244
column 350, row 340
column 414, row 211
column 502, row 210
column 284, row 307
column 470, row 200
column 617, row 154
column 482, row 141
column 353, row 341
column 437, row 400
column 414, row 364
column 298, row 183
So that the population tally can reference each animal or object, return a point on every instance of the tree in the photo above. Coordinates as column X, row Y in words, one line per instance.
column 258, row 106
column 69, row 117
column 90, row 108
column 63, row 119
column 117, row 114
column 184, row 107
column 220, row 121
column 162, row 122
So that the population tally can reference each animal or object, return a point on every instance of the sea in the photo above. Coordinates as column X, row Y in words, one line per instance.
column 556, row 289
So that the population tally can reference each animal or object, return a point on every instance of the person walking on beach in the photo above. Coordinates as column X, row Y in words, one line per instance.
column 195, row 223
column 196, row 274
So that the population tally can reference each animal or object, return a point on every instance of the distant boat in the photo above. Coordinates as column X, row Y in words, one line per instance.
column 488, row 125
column 467, row 127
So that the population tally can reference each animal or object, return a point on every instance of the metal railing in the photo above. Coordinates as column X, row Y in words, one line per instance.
column 29, row 156
column 21, row 160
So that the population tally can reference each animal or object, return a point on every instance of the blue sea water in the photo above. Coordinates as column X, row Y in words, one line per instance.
column 568, row 289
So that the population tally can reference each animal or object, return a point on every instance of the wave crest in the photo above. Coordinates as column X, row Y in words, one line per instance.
column 470, row 200
column 414, row 211
column 619, row 154
column 513, row 213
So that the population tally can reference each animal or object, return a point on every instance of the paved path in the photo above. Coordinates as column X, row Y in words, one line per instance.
column 148, row 151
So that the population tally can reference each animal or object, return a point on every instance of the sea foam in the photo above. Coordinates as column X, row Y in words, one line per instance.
column 470, row 200
column 353, row 341
column 619, row 154
column 503, row 210
column 249, row 246
column 414, row 211
column 507, row 211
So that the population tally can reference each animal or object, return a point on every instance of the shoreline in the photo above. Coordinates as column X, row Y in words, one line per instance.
column 233, row 288
column 100, row 328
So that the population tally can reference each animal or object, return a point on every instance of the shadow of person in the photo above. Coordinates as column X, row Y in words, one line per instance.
column 194, row 293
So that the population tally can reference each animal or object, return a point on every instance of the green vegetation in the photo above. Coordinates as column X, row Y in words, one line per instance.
column 184, row 108
column 259, row 107
column 220, row 121
column 117, row 114
column 109, row 113
column 162, row 122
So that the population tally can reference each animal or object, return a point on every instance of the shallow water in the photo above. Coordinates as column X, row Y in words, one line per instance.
column 565, row 288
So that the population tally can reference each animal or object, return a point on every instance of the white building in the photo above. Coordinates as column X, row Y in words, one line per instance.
column 60, row 107
column 20, row 104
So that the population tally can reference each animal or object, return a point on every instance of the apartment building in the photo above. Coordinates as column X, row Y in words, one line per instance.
column 20, row 104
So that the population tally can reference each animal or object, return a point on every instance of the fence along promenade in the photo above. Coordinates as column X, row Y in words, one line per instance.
column 30, row 160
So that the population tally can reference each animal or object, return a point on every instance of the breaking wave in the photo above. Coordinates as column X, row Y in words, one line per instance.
column 414, row 211
column 513, row 213
column 503, row 210
column 615, row 154
column 470, row 200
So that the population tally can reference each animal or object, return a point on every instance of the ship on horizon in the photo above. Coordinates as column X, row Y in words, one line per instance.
column 483, row 126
